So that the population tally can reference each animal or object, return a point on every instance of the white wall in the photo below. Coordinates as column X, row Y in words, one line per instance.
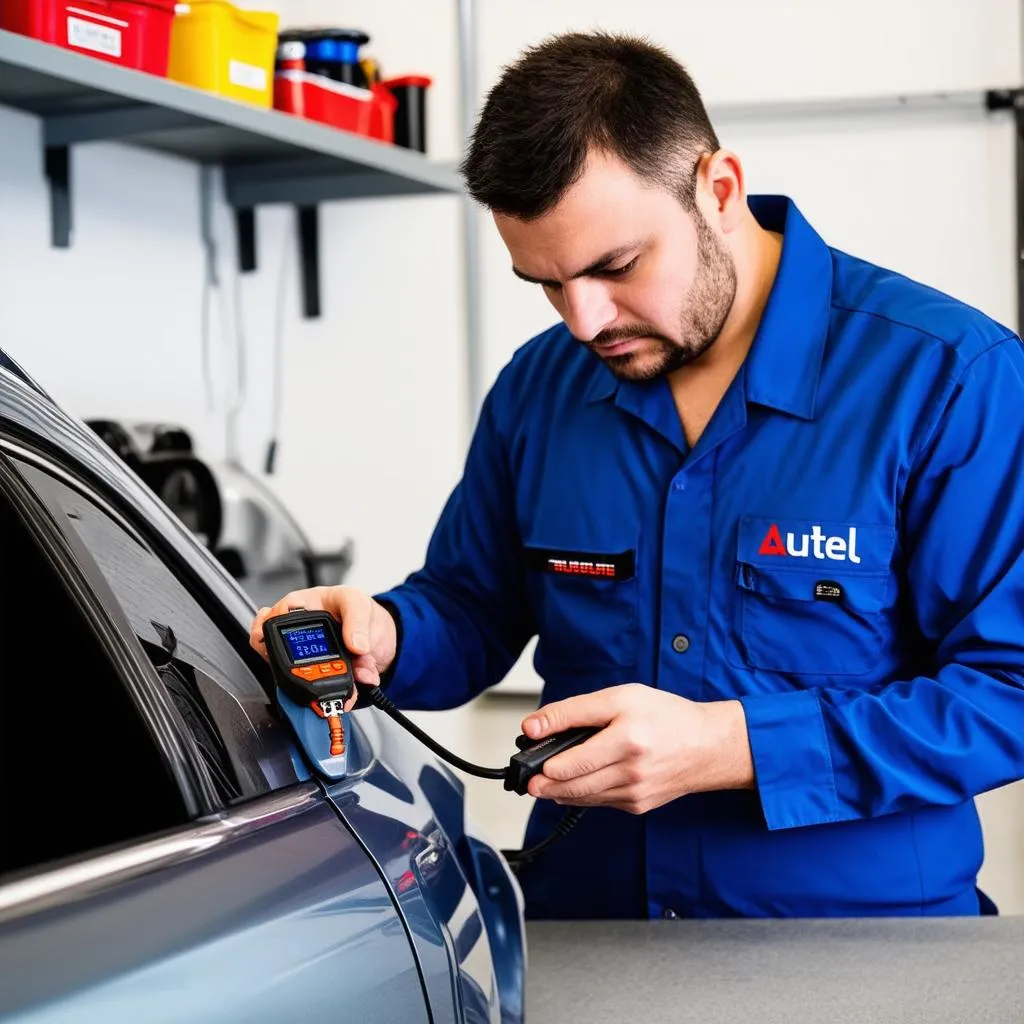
column 112, row 326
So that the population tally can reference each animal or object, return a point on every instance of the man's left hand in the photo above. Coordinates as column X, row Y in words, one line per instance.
column 653, row 747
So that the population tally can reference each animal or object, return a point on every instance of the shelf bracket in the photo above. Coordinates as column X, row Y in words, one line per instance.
column 57, row 162
column 206, row 225
column 309, row 259
column 245, row 237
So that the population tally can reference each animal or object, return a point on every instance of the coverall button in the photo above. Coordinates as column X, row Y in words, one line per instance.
column 669, row 914
column 680, row 643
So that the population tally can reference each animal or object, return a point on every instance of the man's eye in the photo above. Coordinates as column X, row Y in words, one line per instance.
column 620, row 271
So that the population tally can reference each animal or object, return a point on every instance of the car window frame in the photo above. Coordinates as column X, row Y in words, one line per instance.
column 279, row 765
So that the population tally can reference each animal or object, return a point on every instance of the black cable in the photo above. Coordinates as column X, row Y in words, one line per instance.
column 568, row 821
column 376, row 697
column 516, row 858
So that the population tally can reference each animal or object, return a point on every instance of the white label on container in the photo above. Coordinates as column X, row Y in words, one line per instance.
column 87, row 35
column 247, row 76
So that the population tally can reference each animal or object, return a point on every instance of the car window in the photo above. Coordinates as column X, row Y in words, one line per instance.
column 214, row 690
column 80, row 768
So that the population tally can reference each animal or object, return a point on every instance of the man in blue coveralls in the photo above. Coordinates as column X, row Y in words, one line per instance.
column 761, row 502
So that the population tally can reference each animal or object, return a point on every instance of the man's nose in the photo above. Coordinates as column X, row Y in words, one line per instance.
column 587, row 308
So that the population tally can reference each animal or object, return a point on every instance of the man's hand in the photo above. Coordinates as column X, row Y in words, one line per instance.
column 367, row 629
column 654, row 747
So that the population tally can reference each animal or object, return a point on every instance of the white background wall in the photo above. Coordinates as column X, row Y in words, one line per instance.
column 375, row 390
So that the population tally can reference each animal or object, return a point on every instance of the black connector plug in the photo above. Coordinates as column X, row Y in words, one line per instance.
column 534, row 753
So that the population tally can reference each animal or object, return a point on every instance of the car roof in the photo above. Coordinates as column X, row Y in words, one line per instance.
column 30, row 410
column 15, row 368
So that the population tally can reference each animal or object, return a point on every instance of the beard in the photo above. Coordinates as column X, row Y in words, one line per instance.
column 706, row 306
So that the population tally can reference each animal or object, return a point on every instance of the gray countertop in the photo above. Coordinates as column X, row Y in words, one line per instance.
column 905, row 971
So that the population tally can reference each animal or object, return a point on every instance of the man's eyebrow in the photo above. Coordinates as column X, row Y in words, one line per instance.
column 594, row 268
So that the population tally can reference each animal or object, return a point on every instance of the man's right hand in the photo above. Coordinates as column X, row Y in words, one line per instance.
column 367, row 628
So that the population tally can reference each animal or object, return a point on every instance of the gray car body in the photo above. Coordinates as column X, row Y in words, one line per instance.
column 369, row 898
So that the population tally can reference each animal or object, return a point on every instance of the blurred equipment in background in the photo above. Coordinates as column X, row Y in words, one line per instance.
column 241, row 521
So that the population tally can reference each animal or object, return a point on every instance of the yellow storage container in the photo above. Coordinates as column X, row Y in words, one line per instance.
column 224, row 49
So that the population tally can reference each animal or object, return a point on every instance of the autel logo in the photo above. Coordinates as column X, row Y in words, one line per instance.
column 814, row 544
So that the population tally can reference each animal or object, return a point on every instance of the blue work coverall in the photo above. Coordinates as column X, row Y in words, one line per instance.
column 842, row 551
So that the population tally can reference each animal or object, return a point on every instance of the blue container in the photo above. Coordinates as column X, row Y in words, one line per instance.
column 334, row 53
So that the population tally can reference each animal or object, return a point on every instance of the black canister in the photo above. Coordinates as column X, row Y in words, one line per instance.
column 411, row 113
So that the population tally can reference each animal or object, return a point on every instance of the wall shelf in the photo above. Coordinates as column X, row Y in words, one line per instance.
column 267, row 156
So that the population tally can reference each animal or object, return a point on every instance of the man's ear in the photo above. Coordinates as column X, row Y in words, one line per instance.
column 724, row 188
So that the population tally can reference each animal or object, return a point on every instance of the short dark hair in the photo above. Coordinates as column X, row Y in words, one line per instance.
column 577, row 92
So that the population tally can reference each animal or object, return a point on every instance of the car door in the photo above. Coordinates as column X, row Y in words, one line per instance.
column 165, row 855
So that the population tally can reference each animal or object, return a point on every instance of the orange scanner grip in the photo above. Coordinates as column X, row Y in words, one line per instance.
column 337, row 735
column 337, row 729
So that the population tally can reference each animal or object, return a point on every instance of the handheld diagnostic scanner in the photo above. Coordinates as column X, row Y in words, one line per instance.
column 311, row 666
column 313, row 672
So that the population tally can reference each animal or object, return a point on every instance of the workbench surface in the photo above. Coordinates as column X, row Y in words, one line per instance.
column 900, row 970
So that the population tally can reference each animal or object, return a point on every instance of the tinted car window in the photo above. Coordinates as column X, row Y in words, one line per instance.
column 79, row 768
column 204, row 674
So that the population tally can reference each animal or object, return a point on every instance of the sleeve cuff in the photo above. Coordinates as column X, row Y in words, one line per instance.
column 392, row 609
column 792, row 762
column 363, row 701
column 403, row 674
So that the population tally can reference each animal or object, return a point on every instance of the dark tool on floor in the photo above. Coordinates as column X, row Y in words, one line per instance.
column 313, row 673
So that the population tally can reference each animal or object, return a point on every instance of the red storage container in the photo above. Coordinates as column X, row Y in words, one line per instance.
column 369, row 112
column 382, row 114
column 132, row 33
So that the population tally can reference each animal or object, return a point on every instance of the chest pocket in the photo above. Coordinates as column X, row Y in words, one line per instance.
column 812, row 596
column 586, row 606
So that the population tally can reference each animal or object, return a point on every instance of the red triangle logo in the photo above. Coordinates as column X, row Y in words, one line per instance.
column 772, row 543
